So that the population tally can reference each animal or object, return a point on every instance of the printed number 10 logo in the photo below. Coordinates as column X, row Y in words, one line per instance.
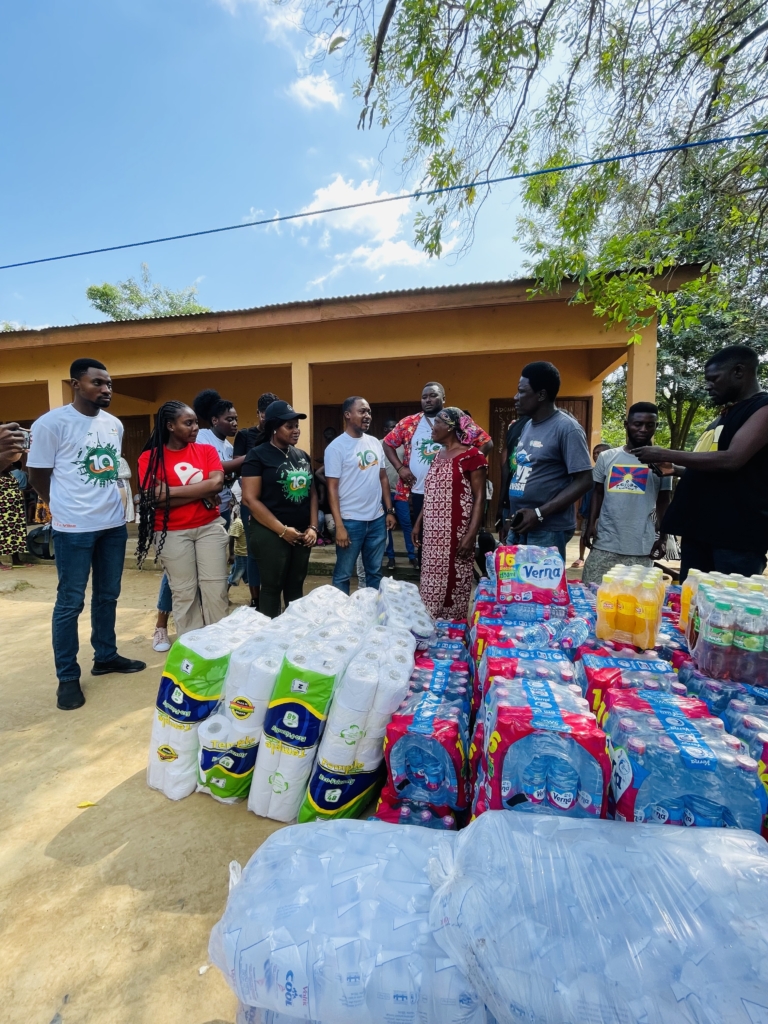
column 101, row 463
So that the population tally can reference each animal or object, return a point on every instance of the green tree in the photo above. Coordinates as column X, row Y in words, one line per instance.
column 137, row 300
column 480, row 88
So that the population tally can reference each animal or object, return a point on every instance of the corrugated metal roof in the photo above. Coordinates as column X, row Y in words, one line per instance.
column 296, row 304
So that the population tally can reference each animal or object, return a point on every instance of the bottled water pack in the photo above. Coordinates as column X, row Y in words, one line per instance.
column 526, row 574
column 598, row 674
column 543, row 752
column 329, row 924
column 427, row 739
column 674, row 764
column 554, row 920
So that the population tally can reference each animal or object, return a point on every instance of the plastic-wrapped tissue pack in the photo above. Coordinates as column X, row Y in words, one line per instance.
column 190, row 690
column 349, row 758
column 400, row 605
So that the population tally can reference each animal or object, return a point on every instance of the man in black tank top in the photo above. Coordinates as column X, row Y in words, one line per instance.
column 720, row 507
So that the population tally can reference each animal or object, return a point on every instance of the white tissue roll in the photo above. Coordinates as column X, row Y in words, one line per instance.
column 289, row 784
column 392, row 688
column 357, row 687
column 267, row 762
column 172, row 762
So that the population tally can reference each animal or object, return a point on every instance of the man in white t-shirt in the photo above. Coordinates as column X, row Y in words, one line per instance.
column 359, row 496
column 73, row 465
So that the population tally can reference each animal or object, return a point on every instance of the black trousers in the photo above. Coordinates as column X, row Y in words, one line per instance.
column 694, row 555
column 282, row 567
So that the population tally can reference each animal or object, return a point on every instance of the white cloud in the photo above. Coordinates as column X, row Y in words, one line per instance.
column 313, row 90
column 382, row 227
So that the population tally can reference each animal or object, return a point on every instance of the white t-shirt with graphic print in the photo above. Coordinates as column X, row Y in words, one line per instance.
column 84, row 453
column 423, row 452
column 357, row 462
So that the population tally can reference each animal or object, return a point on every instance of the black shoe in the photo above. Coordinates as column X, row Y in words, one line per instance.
column 69, row 696
column 413, row 563
column 390, row 563
column 117, row 664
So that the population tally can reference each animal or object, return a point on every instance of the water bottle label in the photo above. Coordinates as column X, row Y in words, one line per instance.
column 545, row 710
column 748, row 641
column 561, row 797
column 694, row 752
column 718, row 635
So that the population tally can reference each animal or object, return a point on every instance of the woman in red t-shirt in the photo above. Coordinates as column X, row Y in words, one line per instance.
column 179, row 485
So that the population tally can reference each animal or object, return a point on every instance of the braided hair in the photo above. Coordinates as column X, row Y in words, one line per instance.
column 209, row 405
column 155, row 473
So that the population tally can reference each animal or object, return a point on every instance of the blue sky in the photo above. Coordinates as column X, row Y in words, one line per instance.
column 136, row 118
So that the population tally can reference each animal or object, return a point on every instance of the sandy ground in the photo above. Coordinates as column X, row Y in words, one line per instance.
column 105, row 911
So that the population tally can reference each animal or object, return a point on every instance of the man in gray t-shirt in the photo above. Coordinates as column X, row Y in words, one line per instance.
column 621, row 526
column 553, row 467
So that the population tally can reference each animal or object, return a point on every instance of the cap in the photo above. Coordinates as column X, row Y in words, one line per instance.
column 282, row 412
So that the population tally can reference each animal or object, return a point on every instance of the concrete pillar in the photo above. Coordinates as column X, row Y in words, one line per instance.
column 641, row 369
column 59, row 392
column 301, row 398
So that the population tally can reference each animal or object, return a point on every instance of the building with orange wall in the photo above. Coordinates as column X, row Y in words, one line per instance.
column 474, row 339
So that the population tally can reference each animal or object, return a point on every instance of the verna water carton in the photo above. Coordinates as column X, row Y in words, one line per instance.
column 597, row 674
column 543, row 750
column 526, row 574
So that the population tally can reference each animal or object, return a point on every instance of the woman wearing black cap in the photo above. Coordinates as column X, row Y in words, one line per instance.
column 279, row 491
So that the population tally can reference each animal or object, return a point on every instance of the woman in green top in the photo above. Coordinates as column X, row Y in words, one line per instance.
column 279, row 492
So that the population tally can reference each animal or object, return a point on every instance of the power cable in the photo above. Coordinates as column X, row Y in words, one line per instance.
column 394, row 199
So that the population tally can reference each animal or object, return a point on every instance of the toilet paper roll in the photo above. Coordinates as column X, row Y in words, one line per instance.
column 172, row 762
column 357, row 687
column 346, row 721
column 392, row 688
column 336, row 751
column 370, row 753
column 289, row 784
column 267, row 762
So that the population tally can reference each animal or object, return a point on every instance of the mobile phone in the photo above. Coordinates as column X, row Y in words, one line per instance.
column 27, row 439
column 516, row 520
column 208, row 503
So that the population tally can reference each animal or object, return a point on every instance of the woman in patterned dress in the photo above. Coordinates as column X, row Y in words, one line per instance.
column 454, row 496
column 13, row 522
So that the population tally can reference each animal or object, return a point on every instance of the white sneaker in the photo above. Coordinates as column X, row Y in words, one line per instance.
column 160, row 641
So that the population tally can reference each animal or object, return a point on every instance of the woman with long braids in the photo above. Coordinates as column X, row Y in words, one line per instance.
column 178, row 510
column 280, row 494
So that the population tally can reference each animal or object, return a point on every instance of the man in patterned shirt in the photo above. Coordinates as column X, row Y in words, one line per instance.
column 414, row 435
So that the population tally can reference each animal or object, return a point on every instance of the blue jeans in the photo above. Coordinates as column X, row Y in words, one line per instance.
column 239, row 571
column 544, row 539
column 254, row 576
column 164, row 599
column 368, row 539
column 403, row 515
column 77, row 554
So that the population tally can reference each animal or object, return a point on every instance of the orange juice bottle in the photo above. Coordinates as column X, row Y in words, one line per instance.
column 646, row 615
column 626, row 602
column 606, row 608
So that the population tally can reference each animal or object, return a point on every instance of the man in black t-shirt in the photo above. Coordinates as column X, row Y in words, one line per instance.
column 252, row 437
column 720, row 508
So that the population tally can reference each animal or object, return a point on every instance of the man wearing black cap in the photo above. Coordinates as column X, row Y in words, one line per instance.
column 279, row 492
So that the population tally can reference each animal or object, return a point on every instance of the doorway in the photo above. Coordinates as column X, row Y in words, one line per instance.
column 136, row 431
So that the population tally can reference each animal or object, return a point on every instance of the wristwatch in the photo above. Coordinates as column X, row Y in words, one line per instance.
column 539, row 516
column 389, row 512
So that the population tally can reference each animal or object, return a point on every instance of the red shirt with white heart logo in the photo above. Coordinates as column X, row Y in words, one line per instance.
column 190, row 465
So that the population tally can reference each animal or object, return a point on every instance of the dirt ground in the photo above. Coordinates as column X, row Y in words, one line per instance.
column 105, row 911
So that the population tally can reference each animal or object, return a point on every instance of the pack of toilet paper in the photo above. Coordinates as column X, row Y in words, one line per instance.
column 400, row 605
column 226, row 758
column 190, row 690
column 348, row 766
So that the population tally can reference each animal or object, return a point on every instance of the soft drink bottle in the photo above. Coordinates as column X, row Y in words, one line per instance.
column 626, row 604
column 687, row 594
column 718, row 640
column 749, row 642
column 606, row 608
column 646, row 615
